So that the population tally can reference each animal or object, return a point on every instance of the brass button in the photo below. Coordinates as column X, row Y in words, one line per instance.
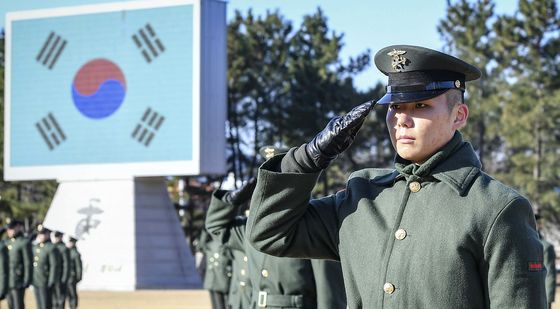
column 41, row 245
column 216, row 255
column 414, row 186
column 388, row 288
column 216, row 263
column 9, row 247
column 245, row 258
column 229, row 274
column 264, row 273
column 211, row 259
column 400, row 234
column 242, row 283
column 37, row 250
column 36, row 258
column 35, row 264
column 243, row 272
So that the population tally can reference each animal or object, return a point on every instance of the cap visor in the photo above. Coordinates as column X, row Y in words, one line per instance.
column 409, row 97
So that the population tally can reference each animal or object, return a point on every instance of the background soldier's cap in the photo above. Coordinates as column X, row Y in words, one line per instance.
column 12, row 224
column 72, row 239
column 42, row 230
column 58, row 234
column 418, row 73
column 270, row 151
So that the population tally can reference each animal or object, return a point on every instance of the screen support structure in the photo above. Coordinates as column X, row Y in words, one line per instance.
column 128, row 233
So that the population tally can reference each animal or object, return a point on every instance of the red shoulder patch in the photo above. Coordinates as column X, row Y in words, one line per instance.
column 535, row 266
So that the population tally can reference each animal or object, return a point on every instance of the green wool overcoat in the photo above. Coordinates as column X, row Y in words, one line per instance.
column 75, row 266
column 442, row 234
column 217, row 275
column 240, row 286
column 277, row 282
column 65, row 258
column 46, row 265
column 3, row 270
column 550, row 264
column 20, row 262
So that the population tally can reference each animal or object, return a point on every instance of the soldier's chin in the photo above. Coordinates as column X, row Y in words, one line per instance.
column 410, row 155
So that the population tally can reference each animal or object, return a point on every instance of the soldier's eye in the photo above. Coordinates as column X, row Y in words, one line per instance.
column 421, row 105
column 394, row 106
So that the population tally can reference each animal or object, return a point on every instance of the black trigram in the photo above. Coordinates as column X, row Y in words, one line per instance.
column 50, row 131
column 148, row 126
column 147, row 40
column 51, row 50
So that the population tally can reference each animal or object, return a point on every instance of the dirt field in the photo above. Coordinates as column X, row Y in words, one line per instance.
column 160, row 299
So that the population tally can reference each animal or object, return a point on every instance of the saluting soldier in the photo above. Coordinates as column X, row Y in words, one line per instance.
column 435, row 231
column 46, row 269
column 217, row 275
column 277, row 282
column 59, row 295
column 20, row 268
column 74, row 274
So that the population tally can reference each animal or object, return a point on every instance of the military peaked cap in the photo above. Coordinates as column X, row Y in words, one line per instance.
column 14, row 223
column 418, row 73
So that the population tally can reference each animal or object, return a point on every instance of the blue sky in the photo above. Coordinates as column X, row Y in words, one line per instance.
column 368, row 24
column 365, row 24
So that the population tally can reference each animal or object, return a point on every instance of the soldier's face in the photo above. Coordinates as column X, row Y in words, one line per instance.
column 419, row 129
column 11, row 232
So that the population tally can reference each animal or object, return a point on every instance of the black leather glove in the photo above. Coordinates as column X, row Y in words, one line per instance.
column 337, row 136
column 243, row 194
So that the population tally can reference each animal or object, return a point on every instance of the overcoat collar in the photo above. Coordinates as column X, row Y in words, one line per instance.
column 456, row 165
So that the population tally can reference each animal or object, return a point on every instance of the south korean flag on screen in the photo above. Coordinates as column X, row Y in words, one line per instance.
column 101, row 84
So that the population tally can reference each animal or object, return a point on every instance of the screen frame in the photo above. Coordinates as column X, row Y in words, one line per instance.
column 111, row 170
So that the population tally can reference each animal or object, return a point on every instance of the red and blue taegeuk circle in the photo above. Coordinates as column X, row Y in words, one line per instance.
column 98, row 89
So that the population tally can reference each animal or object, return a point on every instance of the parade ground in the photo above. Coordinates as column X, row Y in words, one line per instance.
column 161, row 299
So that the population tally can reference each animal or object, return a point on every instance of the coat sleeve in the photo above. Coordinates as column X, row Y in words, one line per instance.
column 65, row 254
column 329, row 283
column 550, row 264
column 54, row 266
column 27, row 256
column 285, row 222
column 3, row 271
column 513, row 256
column 78, row 265
column 222, row 224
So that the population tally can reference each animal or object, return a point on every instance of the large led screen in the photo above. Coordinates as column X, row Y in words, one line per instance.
column 103, row 90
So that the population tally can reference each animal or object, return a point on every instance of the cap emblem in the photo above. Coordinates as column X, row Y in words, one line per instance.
column 269, row 152
column 457, row 84
column 399, row 61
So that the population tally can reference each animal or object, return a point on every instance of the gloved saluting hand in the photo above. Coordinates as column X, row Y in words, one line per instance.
column 337, row 136
column 243, row 194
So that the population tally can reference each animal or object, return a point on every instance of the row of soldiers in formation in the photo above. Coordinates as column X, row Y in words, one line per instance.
column 238, row 276
column 52, row 268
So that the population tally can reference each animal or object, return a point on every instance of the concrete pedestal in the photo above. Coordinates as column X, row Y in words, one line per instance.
column 129, row 234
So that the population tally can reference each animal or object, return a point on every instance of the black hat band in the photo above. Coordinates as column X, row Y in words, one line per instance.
column 441, row 85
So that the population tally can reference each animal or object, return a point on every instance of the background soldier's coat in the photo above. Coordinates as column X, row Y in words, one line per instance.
column 74, row 276
column 287, row 282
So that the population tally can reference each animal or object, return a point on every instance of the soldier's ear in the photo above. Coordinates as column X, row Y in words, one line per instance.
column 461, row 115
